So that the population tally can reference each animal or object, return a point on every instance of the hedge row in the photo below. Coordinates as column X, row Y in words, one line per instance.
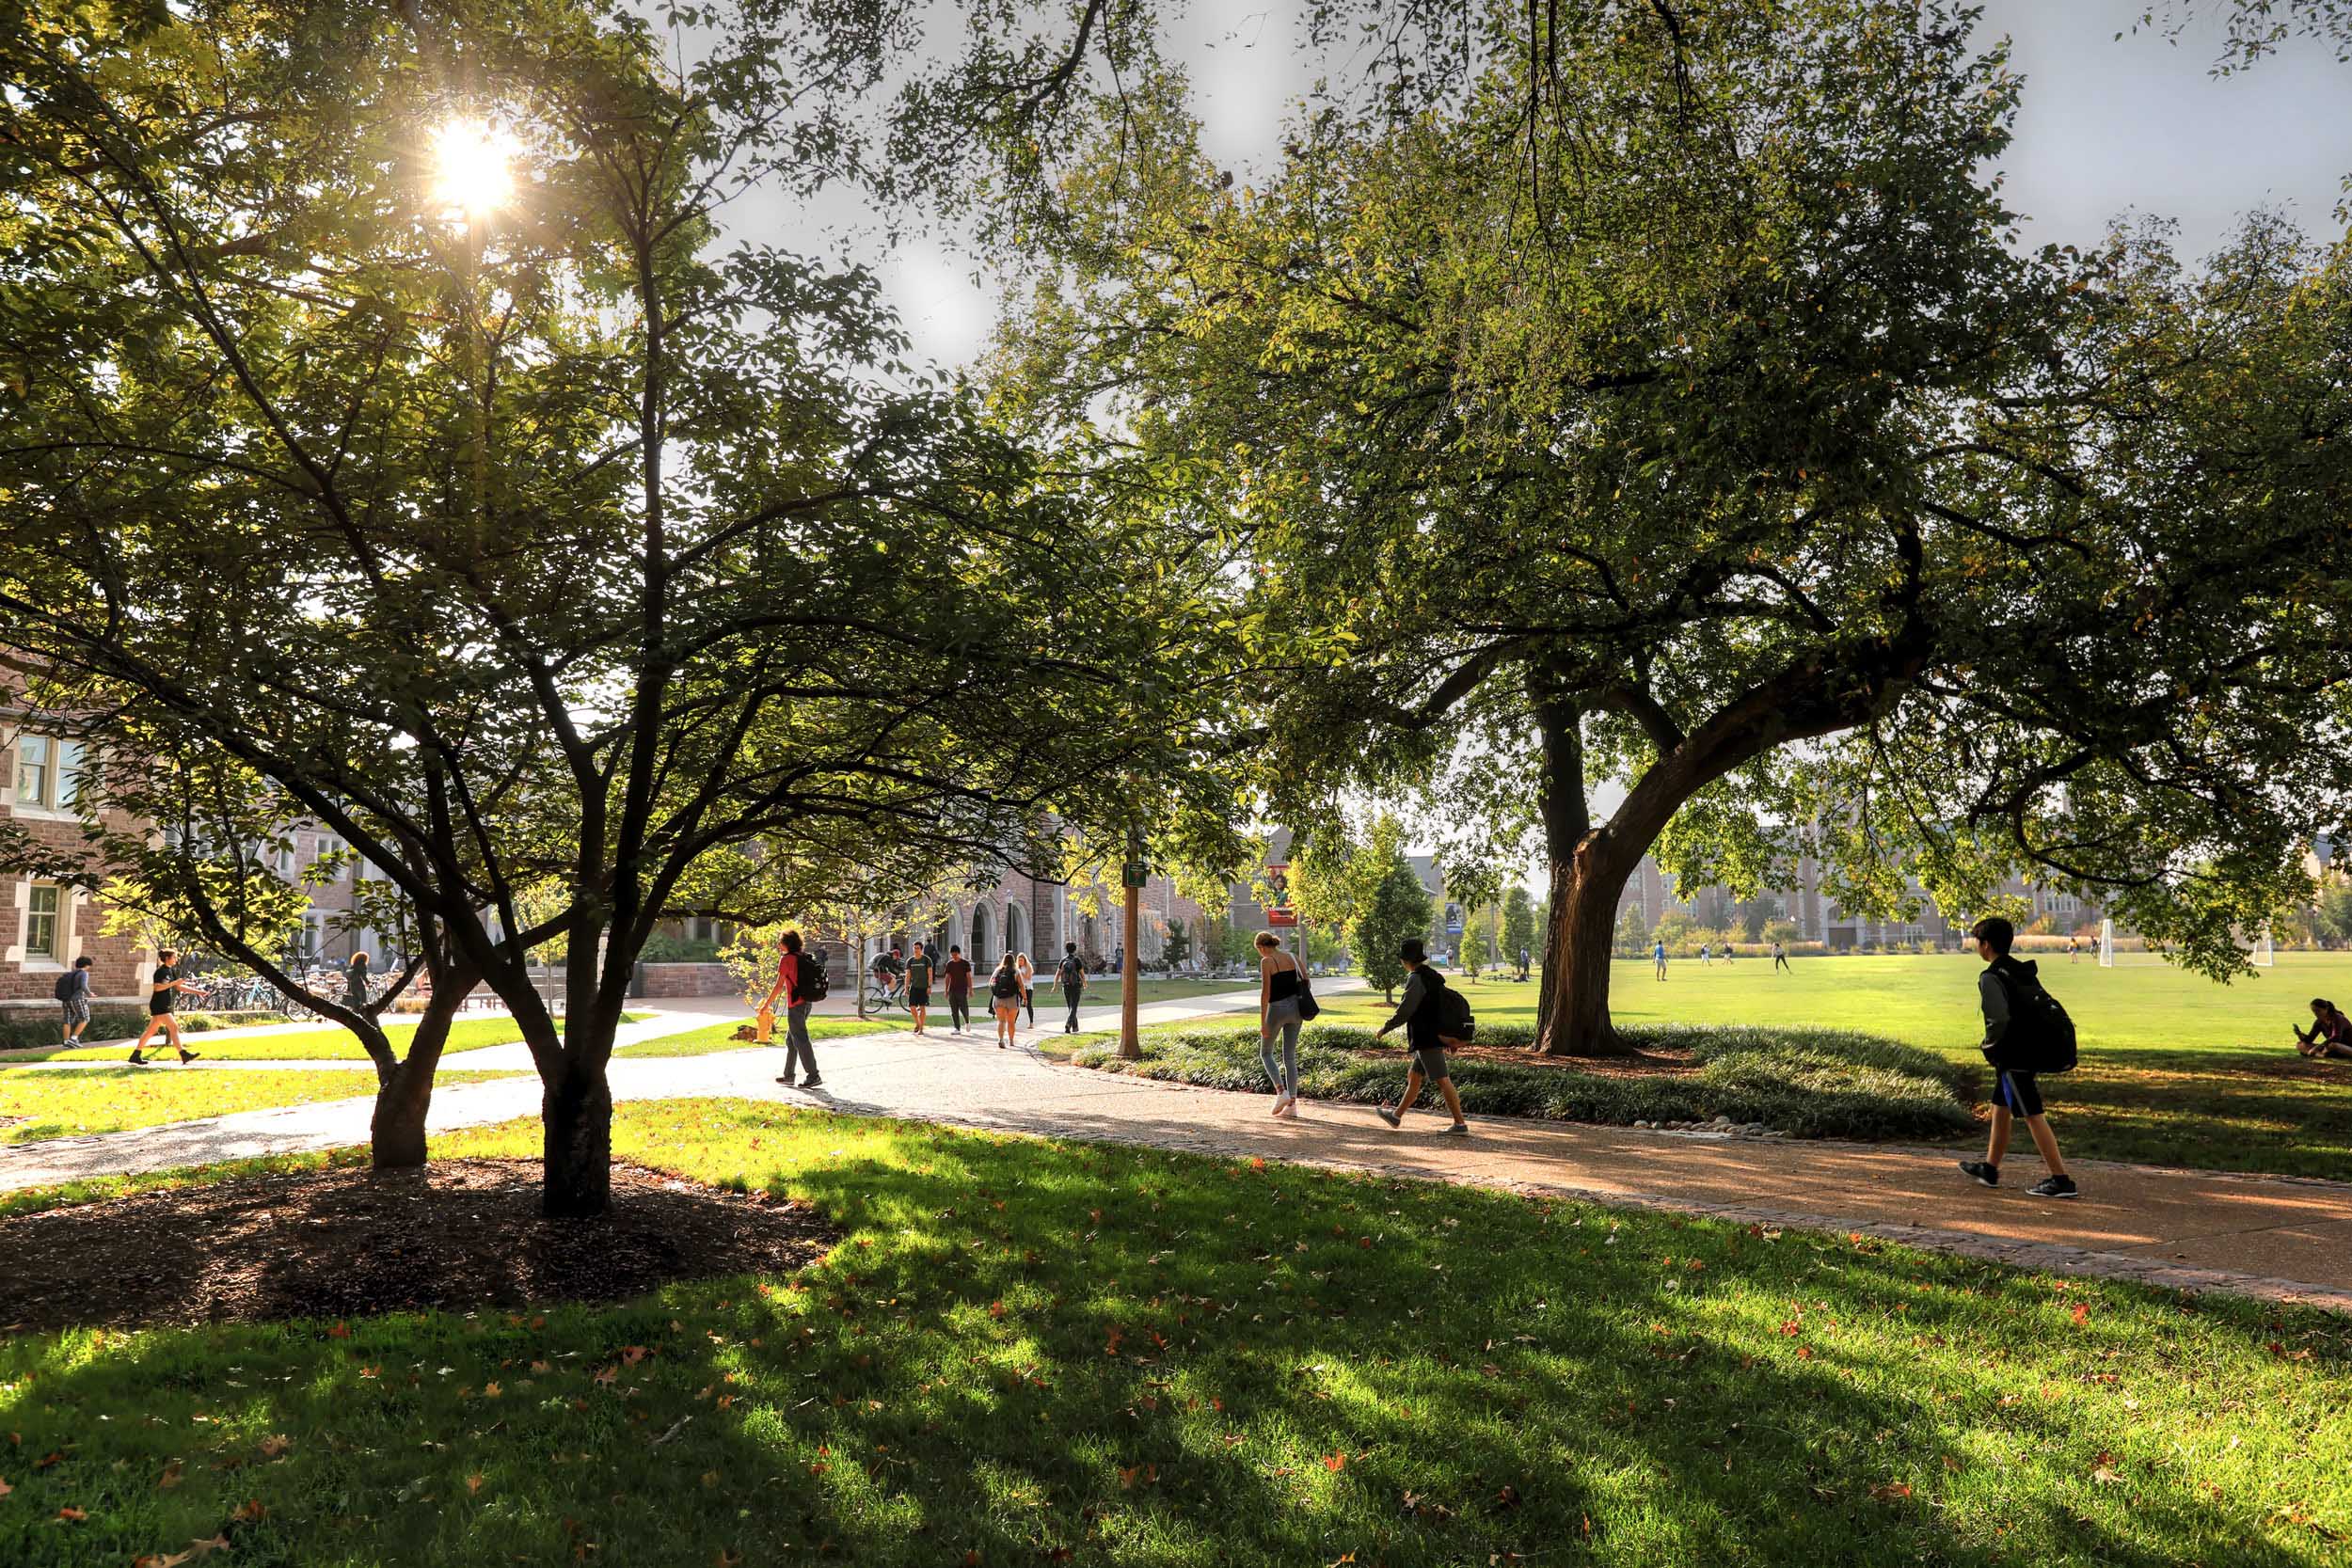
column 112, row 1023
column 1810, row 1082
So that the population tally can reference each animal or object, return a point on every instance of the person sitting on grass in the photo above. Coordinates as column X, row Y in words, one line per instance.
column 1418, row 1012
column 2330, row 1033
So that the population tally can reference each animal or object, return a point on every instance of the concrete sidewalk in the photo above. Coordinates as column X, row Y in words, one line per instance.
column 2275, row 1238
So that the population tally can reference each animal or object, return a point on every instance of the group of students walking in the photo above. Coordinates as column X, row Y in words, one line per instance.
column 910, row 977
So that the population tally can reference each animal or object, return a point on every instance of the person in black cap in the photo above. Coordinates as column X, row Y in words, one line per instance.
column 1418, row 1011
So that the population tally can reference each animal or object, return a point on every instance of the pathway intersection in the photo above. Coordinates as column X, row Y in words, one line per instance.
column 2276, row 1238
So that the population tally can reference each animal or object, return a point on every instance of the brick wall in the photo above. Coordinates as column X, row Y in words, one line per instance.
column 122, row 964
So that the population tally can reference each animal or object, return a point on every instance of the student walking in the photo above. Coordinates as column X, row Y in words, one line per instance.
column 956, row 975
column 72, row 993
column 1028, row 970
column 2015, row 1007
column 1422, row 1010
column 1071, row 975
column 793, row 985
column 356, row 982
column 1004, row 1000
column 1780, row 957
column 160, row 1004
column 1523, row 957
column 1658, row 956
column 1279, row 1013
column 1703, row 954
column 919, row 986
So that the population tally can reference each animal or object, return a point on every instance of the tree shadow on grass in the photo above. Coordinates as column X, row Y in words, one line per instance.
column 1026, row 1350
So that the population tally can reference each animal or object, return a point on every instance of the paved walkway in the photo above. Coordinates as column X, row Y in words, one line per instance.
column 2275, row 1238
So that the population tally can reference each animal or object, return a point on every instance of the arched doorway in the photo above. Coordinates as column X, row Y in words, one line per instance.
column 1017, row 930
column 983, row 958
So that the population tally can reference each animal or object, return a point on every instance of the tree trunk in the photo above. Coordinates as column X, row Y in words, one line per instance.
column 575, row 1116
column 1574, row 1012
column 403, row 1095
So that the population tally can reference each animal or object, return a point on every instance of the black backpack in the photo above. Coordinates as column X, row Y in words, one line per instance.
column 2039, row 1037
column 1069, row 972
column 1006, row 984
column 69, row 986
column 1449, row 1009
column 815, row 984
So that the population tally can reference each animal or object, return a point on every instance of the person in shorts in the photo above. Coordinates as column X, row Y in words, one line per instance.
column 1417, row 1011
column 919, row 985
column 1004, row 1001
column 73, row 1000
column 160, row 1004
column 2015, row 1095
column 957, row 975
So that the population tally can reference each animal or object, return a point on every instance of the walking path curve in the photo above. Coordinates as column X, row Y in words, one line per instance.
column 2275, row 1238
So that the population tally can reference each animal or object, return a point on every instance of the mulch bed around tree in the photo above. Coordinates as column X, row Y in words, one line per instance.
column 348, row 1241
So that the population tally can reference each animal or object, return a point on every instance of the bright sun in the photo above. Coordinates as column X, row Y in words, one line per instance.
column 473, row 167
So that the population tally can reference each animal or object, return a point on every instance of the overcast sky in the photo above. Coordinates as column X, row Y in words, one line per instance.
column 2108, row 126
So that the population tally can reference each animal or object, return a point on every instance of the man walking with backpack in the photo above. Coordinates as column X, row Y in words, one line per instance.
column 72, row 993
column 2026, row 1033
column 1434, row 1015
column 802, row 985
column 1073, row 976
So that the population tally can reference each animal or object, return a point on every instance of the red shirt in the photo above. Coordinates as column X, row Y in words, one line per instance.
column 789, row 966
column 959, row 973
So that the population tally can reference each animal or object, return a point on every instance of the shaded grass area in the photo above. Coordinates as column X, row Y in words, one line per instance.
column 1038, row 1351
column 721, row 1037
column 87, row 1101
column 1811, row 1083
column 328, row 1042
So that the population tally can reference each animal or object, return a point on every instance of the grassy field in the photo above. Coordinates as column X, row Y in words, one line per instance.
column 326, row 1043
column 1032, row 1352
column 84, row 1102
column 2176, row 1070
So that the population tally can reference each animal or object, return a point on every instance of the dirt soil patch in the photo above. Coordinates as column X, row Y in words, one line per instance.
column 349, row 1243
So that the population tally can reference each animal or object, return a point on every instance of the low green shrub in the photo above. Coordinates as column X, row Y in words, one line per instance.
column 31, row 1033
column 1810, row 1082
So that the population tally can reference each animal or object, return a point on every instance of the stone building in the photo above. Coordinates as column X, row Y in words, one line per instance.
column 46, row 925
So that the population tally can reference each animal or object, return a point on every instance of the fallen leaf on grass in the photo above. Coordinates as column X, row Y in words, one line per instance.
column 4, row 1487
column 2105, row 1474
column 252, row 1513
column 729, row 1560
column 1895, row 1493
column 489, row 1390
column 475, row 1481
column 1335, row 1463
column 275, row 1445
column 2081, row 1313
column 340, row 1331
column 152, row 1560
column 71, row 1515
column 205, row 1548
column 169, row 1479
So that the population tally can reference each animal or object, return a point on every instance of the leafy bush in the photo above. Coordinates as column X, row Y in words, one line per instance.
column 1810, row 1082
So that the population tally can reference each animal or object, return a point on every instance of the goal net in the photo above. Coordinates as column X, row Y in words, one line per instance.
column 2127, row 949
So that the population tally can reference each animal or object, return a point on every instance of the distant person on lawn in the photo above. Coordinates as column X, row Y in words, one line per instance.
column 1523, row 963
column 1658, row 956
column 919, row 985
column 2014, row 1094
column 168, row 985
column 1072, row 972
column 792, row 985
column 1417, row 1010
column 1701, row 955
column 1780, row 957
column 2330, row 1033
column 74, row 1000
column 958, row 978
column 1278, row 1014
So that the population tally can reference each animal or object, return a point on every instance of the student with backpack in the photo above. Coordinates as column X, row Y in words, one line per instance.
column 1004, row 1000
column 801, row 983
column 2026, row 1034
column 72, row 993
column 1434, row 1015
column 1072, row 975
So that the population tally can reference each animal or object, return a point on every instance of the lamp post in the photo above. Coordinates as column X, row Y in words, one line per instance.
column 1131, row 874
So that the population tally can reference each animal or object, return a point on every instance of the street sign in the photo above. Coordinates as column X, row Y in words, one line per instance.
column 1134, row 874
column 1281, row 917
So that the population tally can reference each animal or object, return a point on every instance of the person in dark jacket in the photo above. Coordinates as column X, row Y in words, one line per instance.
column 2014, row 1094
column 74, row 1000
column 1417, row 1011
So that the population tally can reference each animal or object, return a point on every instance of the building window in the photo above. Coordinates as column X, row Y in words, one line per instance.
column 34, row 778
column 40, row 921
column 313, row 934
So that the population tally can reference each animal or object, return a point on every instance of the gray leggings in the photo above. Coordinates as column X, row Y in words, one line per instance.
column 1282, row 1017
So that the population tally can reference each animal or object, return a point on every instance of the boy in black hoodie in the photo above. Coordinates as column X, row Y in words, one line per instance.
column 2014, row 1094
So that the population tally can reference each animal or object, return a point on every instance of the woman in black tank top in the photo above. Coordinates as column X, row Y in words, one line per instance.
column 1277, row 1010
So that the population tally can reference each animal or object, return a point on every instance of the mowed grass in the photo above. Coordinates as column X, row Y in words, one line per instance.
column 328, row 1042
column 1031, row 1352
column 85, row 1101
column 2175, row 1071
column 715, row 1038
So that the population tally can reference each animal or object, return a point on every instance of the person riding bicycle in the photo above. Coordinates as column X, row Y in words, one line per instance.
column 890, row 971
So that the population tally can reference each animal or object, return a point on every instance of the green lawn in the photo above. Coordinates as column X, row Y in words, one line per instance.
column 721, row 1037
column 2175, row 1070
column 1032, row 1352
column 328, row 1042
column 77, row 1103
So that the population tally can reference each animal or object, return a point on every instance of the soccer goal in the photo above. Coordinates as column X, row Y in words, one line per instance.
column 2130, row 950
